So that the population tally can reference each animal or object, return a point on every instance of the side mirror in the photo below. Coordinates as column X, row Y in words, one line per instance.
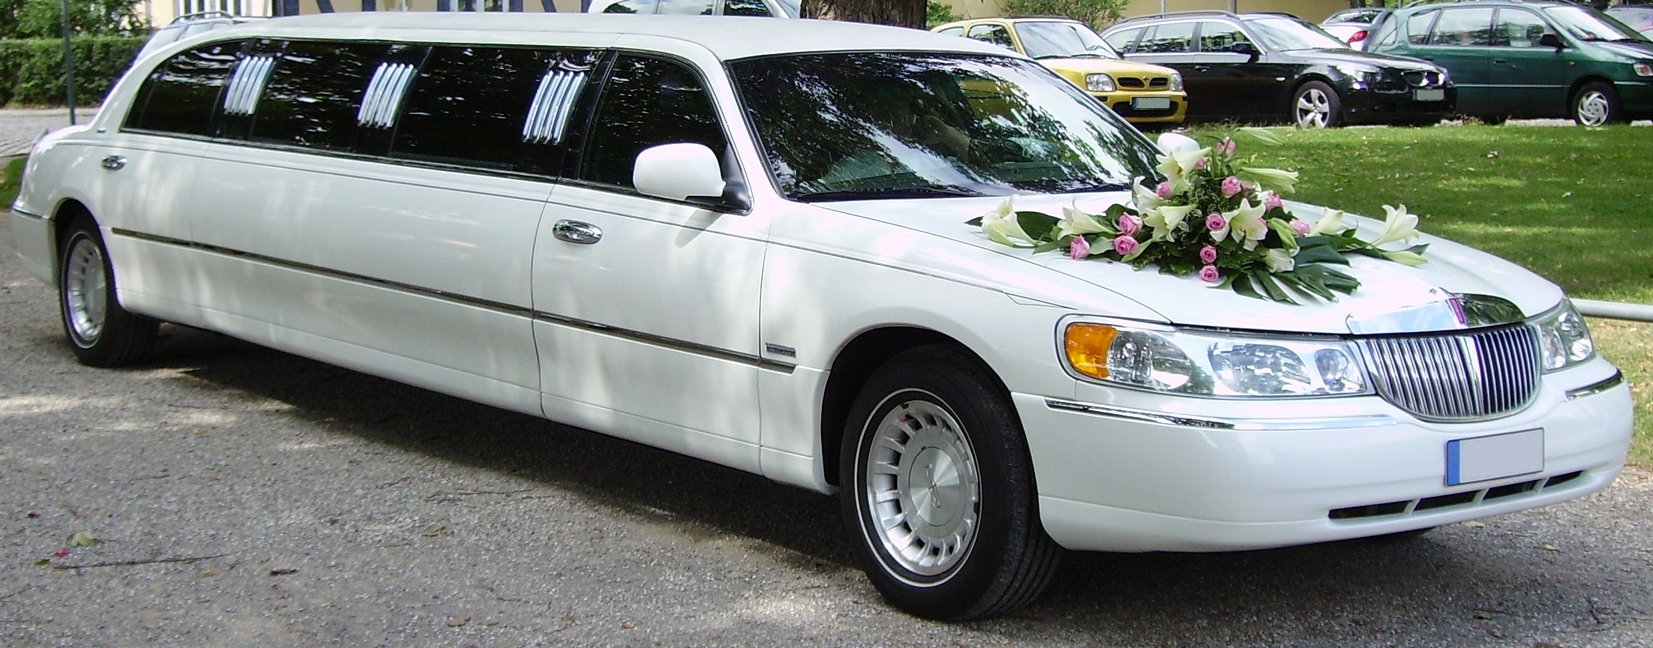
column 1549, row 39
column 678, row 172
column 1246, row 48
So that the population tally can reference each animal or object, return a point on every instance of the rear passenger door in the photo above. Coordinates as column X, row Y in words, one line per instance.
column 647, row 308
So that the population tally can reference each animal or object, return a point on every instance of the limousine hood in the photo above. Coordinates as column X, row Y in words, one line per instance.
column 1391, row 295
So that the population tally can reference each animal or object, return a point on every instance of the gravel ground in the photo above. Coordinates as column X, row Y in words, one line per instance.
column 240, row 496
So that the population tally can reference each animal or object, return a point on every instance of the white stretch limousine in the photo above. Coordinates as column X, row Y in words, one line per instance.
column 751, row 241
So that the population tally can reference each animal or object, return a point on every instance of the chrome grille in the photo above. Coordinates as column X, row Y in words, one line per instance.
column 1456, row 376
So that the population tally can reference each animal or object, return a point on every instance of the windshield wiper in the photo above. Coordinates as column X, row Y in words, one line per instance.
column 943, row 191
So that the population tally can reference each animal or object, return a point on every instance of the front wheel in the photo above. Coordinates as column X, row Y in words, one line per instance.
column 938, row 490
column 1316, row 105
column 101, row 333
column 1597, row 104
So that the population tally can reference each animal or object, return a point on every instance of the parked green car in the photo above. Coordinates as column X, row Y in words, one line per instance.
column 1520, row 58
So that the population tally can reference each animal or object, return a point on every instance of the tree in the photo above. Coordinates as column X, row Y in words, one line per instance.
column 901, row 13
column 44, row 18
column 1091, row 12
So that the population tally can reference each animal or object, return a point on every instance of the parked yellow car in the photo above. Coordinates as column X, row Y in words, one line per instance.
column 1146, row 95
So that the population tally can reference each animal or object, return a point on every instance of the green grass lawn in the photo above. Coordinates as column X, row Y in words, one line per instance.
column 1570, row 203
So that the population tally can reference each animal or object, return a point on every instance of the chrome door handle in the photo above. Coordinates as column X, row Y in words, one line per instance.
column 114, row 162
column 576, row 232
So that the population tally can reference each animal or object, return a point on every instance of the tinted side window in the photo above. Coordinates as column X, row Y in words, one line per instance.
column 745, row 8
column 1220, row 36
column 1124, row 40
column 1517, row 28
column 1173, row 38
column 1417, row 27
column 469, row 105
column 995, row 34
column 314, row 93
column 646, row 102
column 1463, row 26
column 182, row 93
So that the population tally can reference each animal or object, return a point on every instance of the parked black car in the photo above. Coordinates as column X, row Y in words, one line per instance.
column 1266, row 67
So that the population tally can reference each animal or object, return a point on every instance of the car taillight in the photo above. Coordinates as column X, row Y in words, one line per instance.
column 1358, row 36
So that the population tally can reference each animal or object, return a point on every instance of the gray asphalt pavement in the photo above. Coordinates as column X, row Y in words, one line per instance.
column 229, row 495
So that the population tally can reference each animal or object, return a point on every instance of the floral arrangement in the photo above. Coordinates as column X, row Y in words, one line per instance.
column 1218, row 217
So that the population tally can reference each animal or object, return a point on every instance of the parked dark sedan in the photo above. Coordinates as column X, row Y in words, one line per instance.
column 1276, row 67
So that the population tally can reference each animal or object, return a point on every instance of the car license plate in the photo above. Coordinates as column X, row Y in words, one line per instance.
column 1429, row 94
column 1492, row 457
column 1151, row 103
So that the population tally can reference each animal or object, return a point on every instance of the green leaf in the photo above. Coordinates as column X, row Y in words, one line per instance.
column 1242, row 285
column 83, row 539
column 1318, row 252
column 1041, row 227
column 1271, row 288
column 974, row 221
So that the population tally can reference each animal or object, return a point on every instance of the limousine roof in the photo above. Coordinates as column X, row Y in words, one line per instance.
column 725, row 37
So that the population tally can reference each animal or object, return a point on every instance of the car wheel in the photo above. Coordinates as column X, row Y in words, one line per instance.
column 101, row 333
column 1597, row 104
column 938, row 490
column 1316, row 105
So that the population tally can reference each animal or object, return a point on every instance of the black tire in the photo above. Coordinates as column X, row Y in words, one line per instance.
column 970, row 550
column 1596, row 104
column 1316, row 105
column 101, row 333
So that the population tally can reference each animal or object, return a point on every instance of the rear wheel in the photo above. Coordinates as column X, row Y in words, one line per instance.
column 938, row 490
column 1316, row 105
column 101, row 333
column 1597, row 104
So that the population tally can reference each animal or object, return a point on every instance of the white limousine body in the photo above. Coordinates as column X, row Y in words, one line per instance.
column 724, row 237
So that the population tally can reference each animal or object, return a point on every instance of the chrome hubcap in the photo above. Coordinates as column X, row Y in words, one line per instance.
column 85, row 292
column 1592, row 109
column 922, row 488
column 1314, row 108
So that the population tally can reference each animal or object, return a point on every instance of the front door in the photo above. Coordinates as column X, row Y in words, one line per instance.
column 1533, row 78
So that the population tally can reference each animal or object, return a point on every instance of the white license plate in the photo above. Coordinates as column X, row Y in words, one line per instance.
column 1151, row 103
column 1429, row 94
column 1504, row 455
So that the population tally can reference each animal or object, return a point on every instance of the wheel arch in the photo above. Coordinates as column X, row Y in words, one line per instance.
column 1578, row 84
column 856, row 362
column 66, row 211
column 1299, row 82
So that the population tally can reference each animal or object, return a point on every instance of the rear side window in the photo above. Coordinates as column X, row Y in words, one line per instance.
column 314, row 94
column 1463, row 26
column 1174, row 38
column 181, row 95
column 502, row 108
column 647, row 102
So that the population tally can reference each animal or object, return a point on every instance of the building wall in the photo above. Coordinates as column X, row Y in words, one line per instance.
column 1310, row 10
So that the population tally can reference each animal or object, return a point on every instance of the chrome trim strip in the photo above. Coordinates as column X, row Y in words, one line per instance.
column 27, row 214
column 500, row 307
column 1344, row 422
column 1590, row 390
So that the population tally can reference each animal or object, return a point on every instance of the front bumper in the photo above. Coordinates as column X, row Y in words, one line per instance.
column 1299, row 473
column 1123, row 102
column 1370, row 106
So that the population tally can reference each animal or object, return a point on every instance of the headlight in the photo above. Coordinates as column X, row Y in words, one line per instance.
column 1643, row 69
column 1563, row 339
column 1176, row 83
column 1209, row 363
column 1099, row 83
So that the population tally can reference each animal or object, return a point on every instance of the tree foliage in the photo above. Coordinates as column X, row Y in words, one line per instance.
column 22, row 19
column 1091, row 12
column 938, row 13
column 901, row 13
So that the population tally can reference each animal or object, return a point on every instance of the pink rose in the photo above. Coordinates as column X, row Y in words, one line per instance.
column 1200, row 164
column 1208, row 255
column 1273, row 202
column 1163, row 190
column 1129, row 224
column 1232, row 186
column 1226, row 147
column 1209, row 274
column 1300, row 227
column 1215, row 222
column 1125, row 245
column 1079, row 249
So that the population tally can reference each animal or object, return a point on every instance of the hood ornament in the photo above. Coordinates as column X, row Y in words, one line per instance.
column 1453, row 312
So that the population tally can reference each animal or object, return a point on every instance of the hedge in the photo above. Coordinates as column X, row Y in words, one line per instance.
column 31, row 71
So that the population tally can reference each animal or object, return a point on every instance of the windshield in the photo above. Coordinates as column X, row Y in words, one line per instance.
column 1286, row 34
column 1586, row 24
column 866, row 125
column 1061, row 39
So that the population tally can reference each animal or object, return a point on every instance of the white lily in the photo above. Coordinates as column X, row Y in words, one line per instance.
column 1165, row 219
column 1405, row 257
column 1003, row 228
column 1144, row 197
column 1330, row 224
column 1247, row 224
column 1277, row 180
column 1397, row 226
column 1075, row 221
column 1178, row 163
column 1279, row 260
